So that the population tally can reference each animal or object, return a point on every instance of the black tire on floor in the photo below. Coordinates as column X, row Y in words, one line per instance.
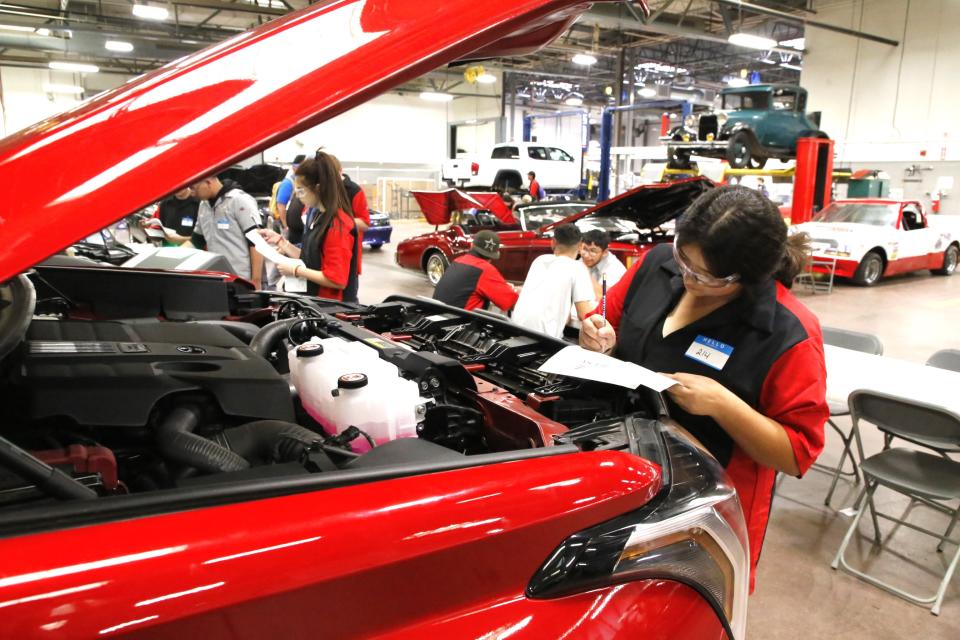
column 376, row 245
column 870, row 270
column 950, row 259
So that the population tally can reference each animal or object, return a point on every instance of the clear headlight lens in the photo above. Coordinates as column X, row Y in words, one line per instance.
column 690, row 122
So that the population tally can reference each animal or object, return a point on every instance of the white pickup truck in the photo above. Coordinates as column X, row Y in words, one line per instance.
column 506, row 166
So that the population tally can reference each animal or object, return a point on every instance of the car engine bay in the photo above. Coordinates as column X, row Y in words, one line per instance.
column 100, row 405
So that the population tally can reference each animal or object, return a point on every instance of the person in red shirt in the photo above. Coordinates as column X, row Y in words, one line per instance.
column 361, row 218
column 714, row 313
column 471, row 282
column 329, row 246
column 534, row 186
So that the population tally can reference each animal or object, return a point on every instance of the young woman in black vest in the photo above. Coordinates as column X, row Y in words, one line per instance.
column 329, row 248
column 714, row 312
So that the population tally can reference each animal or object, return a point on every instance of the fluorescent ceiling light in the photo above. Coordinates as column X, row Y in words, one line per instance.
column 573, row 101
column 647, row 92
column 584, row 59
column 767, row 61
column 148, row 12
column 738, row 82
column 751, row 41
column 16, row 27
column 63, row 88
column 486, row 78
column 44, row 32
column 118, row 45
column 433, row 96
column 796, row 43
column 76, row 67
column 658, row 67
column 791, row 66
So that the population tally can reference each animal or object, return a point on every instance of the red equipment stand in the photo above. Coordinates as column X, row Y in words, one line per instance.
column 813, row 178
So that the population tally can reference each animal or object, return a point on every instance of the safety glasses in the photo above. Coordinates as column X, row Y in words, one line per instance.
column 703, row 279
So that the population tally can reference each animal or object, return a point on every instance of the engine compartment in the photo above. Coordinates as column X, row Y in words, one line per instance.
column 133, row 405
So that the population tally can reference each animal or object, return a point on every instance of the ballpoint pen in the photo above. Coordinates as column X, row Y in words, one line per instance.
column 603, row 296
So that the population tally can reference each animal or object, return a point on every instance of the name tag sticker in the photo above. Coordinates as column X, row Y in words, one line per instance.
column 710, row 352
column 223, row 223
column 186, row 221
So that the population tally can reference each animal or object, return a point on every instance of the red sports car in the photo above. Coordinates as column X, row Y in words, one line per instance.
column 636, row 220
column 183, row 456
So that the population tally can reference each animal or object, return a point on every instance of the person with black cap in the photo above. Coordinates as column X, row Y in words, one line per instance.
column 471, row 282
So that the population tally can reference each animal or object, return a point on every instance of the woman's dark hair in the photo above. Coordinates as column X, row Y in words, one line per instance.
column 740, row 231
column 320, row 175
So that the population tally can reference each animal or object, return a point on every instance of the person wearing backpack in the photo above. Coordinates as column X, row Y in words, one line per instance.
column 536, row 191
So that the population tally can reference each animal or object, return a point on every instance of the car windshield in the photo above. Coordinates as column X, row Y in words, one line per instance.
column 875, row 214
column 753, row 100
column 532, row 218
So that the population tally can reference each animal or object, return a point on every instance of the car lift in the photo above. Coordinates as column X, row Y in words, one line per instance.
column 812, row 176
column 606, row 133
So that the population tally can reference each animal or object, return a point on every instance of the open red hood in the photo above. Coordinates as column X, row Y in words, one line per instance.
column 72, row 174
column 438, row 206
column 649, row 205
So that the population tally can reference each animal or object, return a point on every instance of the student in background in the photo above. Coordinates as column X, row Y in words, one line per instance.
column 471, row 282
column 555, row 284
column 596, row 257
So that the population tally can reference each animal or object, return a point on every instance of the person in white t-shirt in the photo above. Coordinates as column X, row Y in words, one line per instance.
column 555, row 283
column 596, row 256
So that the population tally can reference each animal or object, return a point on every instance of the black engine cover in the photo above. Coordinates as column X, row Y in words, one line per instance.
column 113, row 374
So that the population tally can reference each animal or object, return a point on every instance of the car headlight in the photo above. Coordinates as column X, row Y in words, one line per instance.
column 722, row 118
column 690, row 122
column 694, row 533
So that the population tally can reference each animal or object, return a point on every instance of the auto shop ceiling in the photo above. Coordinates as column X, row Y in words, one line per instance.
column 680, row 51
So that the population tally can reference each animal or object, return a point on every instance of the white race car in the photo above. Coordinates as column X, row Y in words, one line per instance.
column 872, row 238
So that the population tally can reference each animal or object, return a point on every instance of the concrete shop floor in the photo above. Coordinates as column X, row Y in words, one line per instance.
column 798, row 595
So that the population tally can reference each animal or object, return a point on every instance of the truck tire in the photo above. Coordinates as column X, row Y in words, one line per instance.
column 739, row 153
column 950, row 258
column 870, row 270
column 507, row 180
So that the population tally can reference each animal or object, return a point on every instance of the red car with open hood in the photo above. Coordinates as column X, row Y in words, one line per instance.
column 636, row 220
column 183, row 456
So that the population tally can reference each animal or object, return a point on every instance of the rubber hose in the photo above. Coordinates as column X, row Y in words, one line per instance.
column 177, row 442
column 271, row 440
column 266, row 339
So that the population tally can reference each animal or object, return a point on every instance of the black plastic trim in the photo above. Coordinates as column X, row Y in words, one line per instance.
column 62, row 516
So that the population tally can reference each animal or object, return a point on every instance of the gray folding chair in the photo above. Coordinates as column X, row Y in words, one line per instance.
column 945, row 359
column 857, row 341
column 924, row 477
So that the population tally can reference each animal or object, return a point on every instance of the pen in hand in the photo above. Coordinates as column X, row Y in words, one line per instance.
column 603, row 296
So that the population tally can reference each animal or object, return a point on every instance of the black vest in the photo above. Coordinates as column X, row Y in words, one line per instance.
column 751, row 324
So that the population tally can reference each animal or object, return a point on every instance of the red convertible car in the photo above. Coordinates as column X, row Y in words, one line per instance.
column 182, row 456
column 636, row 220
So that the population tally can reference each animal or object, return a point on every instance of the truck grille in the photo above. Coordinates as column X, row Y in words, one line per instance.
column 707, row 127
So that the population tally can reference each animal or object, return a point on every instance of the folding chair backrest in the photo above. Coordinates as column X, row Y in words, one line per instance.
column 917, row 422
column 945, row 359
column 854, row 340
